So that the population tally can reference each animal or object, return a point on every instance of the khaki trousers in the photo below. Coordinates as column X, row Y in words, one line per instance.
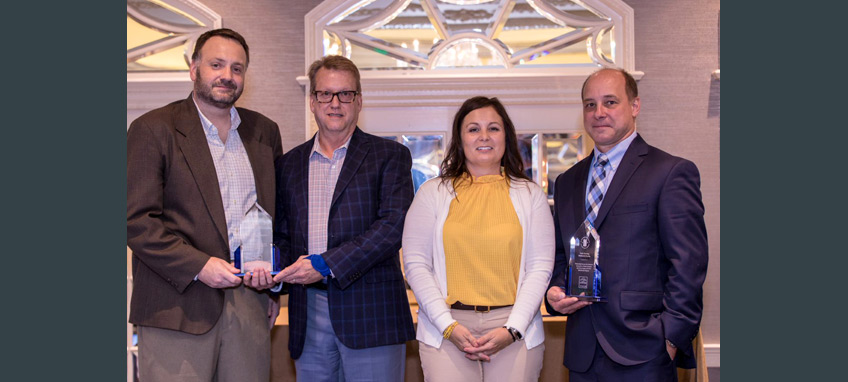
column 513, row 363
column 237, row 348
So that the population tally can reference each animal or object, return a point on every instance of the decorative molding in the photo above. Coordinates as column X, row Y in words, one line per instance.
column 712, row 353
column 150, row 94
column 530, row 88
column 159, row 77
column 422, row 90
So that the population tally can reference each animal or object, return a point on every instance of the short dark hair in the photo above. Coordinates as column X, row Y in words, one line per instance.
column 453, row 166
column 333, row 63
column 629, row 83
column 225, row 33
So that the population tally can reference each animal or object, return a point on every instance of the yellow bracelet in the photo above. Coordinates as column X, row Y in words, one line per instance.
column 449, row 330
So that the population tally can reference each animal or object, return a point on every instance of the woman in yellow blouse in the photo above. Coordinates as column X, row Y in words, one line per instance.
column 478, row 250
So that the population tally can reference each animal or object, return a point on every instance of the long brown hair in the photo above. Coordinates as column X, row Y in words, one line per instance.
column 454, row 167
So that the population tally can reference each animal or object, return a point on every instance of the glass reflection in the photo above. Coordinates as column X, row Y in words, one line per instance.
column 522, row 32
column 528, row 147
column 469, row 52
column 561, row 151
column 427, row 151
column 360, row 12
column 573, row 8
column 333, row 45
column 411, row 29
column 545, row 155
column 156, row 12
column 462, row 17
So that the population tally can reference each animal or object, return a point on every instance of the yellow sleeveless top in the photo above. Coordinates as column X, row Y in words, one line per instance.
column 482, row 239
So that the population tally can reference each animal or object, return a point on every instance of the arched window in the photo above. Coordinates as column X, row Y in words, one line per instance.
column 161, row 34
column 420, row 35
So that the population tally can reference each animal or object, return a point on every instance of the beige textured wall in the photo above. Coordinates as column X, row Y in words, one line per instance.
column 677, row 46
column 274, row 31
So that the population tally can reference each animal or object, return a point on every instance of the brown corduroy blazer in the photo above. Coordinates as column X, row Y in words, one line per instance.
column 175, row 216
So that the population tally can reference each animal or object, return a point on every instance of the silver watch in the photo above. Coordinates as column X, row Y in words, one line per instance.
column 516, row 335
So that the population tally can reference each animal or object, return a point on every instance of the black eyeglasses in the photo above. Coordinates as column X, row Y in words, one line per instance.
column 345, row 96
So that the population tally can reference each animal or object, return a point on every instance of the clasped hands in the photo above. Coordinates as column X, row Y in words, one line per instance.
column 218, row 273
column 301, row 272
column 480, row 349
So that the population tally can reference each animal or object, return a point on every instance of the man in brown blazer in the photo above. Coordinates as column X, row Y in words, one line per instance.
column 194, row 168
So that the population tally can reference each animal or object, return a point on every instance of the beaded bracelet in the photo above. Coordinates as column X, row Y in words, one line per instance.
column 449, row 330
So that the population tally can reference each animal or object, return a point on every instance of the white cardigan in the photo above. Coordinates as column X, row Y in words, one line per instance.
column 424, row 259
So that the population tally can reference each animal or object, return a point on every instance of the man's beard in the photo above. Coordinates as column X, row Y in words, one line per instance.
column 204, row 92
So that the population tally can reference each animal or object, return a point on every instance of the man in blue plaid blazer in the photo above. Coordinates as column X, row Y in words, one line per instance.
column 341, row 202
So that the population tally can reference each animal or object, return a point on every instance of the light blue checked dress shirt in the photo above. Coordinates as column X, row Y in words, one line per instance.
column 235, row 174
column 323, row 175
column 614, row 155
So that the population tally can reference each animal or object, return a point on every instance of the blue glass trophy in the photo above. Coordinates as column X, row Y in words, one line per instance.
column 584, row 273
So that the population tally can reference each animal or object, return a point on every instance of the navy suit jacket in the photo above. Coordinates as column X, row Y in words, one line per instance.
column 653, row 257
column 367, row 297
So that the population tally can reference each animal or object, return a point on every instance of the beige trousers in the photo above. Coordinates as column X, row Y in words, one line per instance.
column 236, row 349
column 513, row 363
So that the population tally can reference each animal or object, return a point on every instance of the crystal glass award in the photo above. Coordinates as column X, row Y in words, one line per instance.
column 257, row 249
column 584, row 273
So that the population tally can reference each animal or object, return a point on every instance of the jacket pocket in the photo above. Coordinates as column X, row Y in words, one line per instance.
column 635, row 300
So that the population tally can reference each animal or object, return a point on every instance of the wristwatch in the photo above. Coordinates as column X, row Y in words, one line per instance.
column 516, row 335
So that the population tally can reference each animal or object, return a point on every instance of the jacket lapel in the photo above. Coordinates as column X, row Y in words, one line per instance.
column 195, row 149
column 356, row 151
column 301, row 188
column 631, row 161
column 579, row 191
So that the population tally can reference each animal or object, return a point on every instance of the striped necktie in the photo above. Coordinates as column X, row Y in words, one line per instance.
column 596, row 190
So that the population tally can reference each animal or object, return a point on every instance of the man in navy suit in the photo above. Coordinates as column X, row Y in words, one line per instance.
column 648, row 213
column 341, row 203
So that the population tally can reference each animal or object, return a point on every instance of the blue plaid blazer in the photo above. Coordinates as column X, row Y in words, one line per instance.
column 367, row 297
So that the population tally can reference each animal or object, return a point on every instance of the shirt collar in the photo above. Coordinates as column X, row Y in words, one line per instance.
column 316, row 147
column 210, row 129
column 615, row 154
